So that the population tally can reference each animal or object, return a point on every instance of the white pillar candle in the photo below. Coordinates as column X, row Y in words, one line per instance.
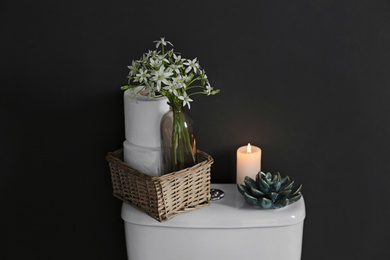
column 248, row 162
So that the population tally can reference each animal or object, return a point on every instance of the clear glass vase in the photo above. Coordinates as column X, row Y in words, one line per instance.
column 178, row 142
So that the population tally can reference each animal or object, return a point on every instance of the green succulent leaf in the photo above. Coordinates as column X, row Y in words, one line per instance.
column 281, row 203
column 272, row 196
column 275, row 179
column 249, row 182
column 294, row 198
column 256, row 193
column 288, row 186
column 263, row 185
column 265, row 203
column 279, row 177
column 243, row 189
column 277, row 186
column 285, row 180
column 297, row 190
column 258, row 176
column 250, row 199
column 284, row 193
column 268, row 177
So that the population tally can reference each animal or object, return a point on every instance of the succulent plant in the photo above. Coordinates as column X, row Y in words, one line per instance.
column 270, row 191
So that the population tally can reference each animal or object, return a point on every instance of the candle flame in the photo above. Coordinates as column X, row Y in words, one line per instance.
column 248, row 149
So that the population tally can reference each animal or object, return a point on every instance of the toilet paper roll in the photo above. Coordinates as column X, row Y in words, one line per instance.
column 144, row 159
column 143, row 118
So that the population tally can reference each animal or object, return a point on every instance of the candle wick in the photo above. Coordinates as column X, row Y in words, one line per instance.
column 248, row 149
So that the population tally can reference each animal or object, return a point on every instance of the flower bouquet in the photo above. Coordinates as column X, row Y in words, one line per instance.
column 166, row 73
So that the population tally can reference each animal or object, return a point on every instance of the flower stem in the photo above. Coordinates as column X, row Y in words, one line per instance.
column 181, row 140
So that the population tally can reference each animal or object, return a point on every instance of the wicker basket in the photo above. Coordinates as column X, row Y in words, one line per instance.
column 165, row 196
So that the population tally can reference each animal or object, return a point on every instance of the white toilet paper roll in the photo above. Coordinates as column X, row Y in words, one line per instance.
column 142, row 119
column 144, row 159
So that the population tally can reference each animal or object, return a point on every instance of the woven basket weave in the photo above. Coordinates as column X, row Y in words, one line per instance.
column 165, row 196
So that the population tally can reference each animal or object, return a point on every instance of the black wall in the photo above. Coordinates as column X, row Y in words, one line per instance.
column 307, row 81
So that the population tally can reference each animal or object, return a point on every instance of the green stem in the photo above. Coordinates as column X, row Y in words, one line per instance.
column 195, row 86
column 193, row 80
column 162, row 49
column 197, row 93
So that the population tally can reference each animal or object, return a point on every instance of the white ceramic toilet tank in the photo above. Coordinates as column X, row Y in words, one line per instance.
column 228, row 229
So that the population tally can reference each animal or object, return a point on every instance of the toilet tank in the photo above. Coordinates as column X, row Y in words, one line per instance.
column 228, row 229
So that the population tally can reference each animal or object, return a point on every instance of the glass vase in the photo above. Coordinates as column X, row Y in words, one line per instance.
column 178, row 142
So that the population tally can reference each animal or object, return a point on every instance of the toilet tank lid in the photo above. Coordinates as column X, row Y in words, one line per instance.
column 230, row 212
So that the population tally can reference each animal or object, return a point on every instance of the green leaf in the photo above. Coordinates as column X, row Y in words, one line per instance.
column 297, row 190
column 285, row 180
column 265, row 203
column 272, row 196
column 249, row 182
column 255, row 192
column 281, row 203
column 288, row 186
column 294, row 198
column 284, row 193
column 279, row 177
column 250, row 199
column 277, row 186
column 263, row 185
column 243, row 189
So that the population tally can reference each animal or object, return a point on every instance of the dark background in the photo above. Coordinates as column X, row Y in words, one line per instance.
column 307, row 81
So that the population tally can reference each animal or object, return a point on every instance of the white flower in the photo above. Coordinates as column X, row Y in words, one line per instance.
column 155, row 63
column 186, row 100
column 133, row 68
column 147, row 55
column 161, row 76
column 202, row 75
column 162, row 58
column 208, row 89
column 142, row 76
column 177, row 58
column 192, row 64
column 176, row 67
column 144, row 58
column 178, row 82
column 153, row 54
column 163, row 42
column 172, row 88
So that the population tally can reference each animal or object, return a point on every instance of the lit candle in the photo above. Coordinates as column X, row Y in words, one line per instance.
column 248, row 162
